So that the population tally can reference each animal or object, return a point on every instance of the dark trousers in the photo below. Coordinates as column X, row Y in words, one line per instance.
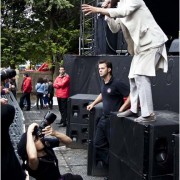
column 50, row 101
column 62, row 103
column 39, row 97
column 101, row 141
column 27, row 97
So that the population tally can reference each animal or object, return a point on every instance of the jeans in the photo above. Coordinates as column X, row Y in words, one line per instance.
column 39, row 97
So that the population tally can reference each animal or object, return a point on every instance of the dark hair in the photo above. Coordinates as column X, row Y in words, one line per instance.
column 50, row 80
column 45, row 80
column 61, row 67
column 40, row 80
column 26, row 74
column 108, row 64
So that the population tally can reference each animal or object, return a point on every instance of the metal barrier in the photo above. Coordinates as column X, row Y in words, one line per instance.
column 17, row 128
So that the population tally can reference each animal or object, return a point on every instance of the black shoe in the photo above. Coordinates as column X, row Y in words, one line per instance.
column 106, row 178
column 127, row 113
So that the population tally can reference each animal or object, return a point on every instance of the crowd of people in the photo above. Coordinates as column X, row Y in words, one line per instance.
column 44, row 90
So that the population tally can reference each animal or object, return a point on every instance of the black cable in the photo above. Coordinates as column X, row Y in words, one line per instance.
column 107, row 41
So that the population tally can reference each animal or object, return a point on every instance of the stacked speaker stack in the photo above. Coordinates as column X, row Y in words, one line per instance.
column 93, row 168
column 78, row 119
column 176, row 156
column 143, row 151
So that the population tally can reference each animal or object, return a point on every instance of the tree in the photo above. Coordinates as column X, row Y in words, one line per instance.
column 38, row 31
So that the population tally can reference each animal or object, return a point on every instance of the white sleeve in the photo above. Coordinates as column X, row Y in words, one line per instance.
column 125, row 8
column 114, row 24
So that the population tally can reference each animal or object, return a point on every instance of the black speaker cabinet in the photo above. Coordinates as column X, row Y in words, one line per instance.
column 144, row 148
column 165, row 87
column 176, row 156
column 79, row 135
column 92, row 168
column 120, row 170
column 78, row 119
column 77, row 112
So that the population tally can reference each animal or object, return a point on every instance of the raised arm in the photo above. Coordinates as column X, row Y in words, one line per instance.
column 31, row 148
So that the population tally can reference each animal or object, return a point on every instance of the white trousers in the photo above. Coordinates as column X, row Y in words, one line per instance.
column 140, row 84
column 141, row 94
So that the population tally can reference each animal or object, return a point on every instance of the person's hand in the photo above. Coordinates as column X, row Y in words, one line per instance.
column 31, row 127
column 106, row 4
column 13, row 86
column 87, row 9
column 6, row 90
column 3, row 100
column 48, row 130
column 89, row 107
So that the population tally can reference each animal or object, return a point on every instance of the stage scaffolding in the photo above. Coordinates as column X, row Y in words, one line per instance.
column 87, row 39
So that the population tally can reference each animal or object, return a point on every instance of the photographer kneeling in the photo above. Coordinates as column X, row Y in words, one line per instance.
column 38, row 156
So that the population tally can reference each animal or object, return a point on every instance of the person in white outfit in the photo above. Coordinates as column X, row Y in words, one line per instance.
column 146, row 43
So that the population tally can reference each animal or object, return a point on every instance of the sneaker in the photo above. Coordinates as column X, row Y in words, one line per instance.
column 150, row 118
column 127, row 113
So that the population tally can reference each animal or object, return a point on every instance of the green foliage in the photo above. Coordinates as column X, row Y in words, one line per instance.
column 42, row 33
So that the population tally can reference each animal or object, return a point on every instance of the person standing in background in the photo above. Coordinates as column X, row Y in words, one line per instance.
column 40, row 88
column 13, row 86
column 50, row 94
column 45, row 96
column 26, row 89
column 62, row 86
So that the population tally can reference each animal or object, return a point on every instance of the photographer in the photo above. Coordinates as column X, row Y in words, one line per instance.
column 38, row 156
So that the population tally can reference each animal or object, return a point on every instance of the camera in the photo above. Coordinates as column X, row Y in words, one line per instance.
column 49, row 118
column 7, row 74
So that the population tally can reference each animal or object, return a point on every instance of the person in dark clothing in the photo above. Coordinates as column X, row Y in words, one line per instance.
column 40, row 89
column 112, row 95
column 10, row 166
column 26, row 89
column 38, row 155
column 13, row 86
column 50, row 94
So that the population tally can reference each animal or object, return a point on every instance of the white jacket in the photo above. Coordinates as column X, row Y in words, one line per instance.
column 141, row 33
column 139, row 27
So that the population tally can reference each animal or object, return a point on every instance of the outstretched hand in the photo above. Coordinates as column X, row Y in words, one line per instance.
column 87, row 9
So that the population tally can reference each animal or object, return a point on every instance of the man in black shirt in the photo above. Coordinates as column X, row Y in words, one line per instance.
column 112, row 95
